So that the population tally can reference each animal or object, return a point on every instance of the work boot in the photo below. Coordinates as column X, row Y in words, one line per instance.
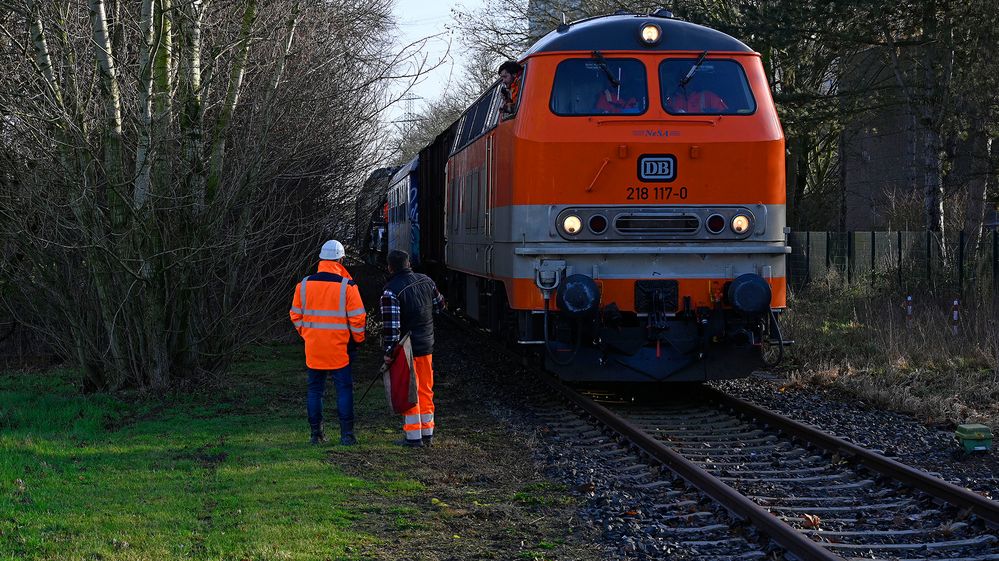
column 428, row 440
column 405, row 443
column 347, row 433
column 317, row 436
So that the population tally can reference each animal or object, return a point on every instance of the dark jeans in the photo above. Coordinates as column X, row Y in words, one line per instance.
column 344, row 382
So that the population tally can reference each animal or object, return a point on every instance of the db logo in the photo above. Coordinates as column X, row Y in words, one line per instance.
column 657, row 167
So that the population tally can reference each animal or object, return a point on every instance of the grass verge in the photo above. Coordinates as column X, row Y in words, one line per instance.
column 226, row 473
column 863, row 341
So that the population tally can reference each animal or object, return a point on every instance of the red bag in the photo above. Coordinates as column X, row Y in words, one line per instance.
column 400, row 378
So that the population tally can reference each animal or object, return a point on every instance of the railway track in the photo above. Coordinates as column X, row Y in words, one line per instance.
column 678, row 519
column 817, row 496
column 774, row 483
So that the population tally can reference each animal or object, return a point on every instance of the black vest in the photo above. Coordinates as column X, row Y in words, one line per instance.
column 416, row 305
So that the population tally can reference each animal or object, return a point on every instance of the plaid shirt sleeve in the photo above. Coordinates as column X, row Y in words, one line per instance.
column 439, row 303
column 391, row 325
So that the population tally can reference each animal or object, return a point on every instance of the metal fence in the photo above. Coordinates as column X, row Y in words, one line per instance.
column 957, row 263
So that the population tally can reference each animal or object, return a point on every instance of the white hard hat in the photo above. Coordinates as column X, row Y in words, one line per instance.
column 332, row 250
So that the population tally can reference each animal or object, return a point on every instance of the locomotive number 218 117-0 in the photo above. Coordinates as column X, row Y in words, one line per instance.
column 656, row 193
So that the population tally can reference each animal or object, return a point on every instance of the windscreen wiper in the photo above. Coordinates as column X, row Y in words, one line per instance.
column 603, row 66
column 690, row 73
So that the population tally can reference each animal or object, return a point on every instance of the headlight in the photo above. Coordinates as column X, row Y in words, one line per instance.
column 572, row 224
column 650, row 33
column 716, row 223
column 740, row 224
column 598, row 223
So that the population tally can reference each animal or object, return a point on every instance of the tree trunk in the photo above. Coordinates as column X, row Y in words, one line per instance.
column 144, row 143
column 162, row 94
column 231, row 99
column 937, row 63
column 43, row 59
column 980, row 146
column 192, row 116
column 912, row 127
column 191, row 121
column 802, row 168
column 933, row 200
column 790, row 164
column 162, row 59
column 797, row 175
column 271, row 104
column 112, row 94
column 109, row 76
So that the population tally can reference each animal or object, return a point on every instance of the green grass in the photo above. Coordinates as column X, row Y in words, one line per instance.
column 541, row 494
column 226, row 474
column 859, row 339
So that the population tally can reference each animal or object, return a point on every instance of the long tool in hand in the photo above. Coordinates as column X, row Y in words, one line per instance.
column 372, row 382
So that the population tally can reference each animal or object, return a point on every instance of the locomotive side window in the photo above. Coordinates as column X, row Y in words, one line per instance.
column 478, row 120
column 397, row 201
column 697, row 86
column 492, row 117
column 466, row 127
column 457, row 134
column 600, row 86
column 482, row 109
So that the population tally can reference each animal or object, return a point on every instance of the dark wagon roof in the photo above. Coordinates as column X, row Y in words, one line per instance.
column 405, row 170
column 620, row 33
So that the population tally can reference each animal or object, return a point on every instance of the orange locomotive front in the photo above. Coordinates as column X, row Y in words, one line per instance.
column 629, row 214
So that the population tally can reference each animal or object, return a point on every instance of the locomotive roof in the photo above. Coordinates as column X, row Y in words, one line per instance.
column 621, row 33
column 405, row 170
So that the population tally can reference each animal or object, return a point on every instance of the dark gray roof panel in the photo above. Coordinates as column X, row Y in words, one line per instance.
column 620, row 33
column 405, row 170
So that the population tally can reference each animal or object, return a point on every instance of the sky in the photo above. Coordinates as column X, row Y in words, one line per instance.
column 426, row 18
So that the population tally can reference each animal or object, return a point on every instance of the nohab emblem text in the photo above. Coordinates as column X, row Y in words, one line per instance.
column 657, row 167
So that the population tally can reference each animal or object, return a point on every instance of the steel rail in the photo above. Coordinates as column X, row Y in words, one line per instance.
column 782, row 533
column 987, row 510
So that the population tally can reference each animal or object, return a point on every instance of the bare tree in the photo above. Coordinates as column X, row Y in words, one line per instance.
column 168, row 167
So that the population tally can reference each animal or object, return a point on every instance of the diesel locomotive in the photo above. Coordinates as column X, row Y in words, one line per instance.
column 626, row 217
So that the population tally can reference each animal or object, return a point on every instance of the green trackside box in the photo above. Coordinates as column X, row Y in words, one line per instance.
column 974, row 438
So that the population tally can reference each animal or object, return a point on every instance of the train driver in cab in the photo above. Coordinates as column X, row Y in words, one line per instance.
column 611, row 101
column 698, row 93
column 510, row 73
column 691, row 99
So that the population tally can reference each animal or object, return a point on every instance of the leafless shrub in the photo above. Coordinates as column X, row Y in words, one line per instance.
column 168, row 168
column 864, row 339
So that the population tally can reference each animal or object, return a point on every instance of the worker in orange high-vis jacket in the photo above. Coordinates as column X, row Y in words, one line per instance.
column 328, row 313
column 408, row 304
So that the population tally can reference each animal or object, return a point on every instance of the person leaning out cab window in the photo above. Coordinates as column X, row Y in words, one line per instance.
column 510, row 73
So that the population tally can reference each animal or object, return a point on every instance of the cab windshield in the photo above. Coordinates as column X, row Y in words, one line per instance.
column 700, row 86
column 600, row 86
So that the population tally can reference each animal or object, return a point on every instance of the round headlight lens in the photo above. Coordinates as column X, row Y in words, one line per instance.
column 650, row 33
column 740, row 224
column 598, row 224
column 716, row 223
column 572, row 224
